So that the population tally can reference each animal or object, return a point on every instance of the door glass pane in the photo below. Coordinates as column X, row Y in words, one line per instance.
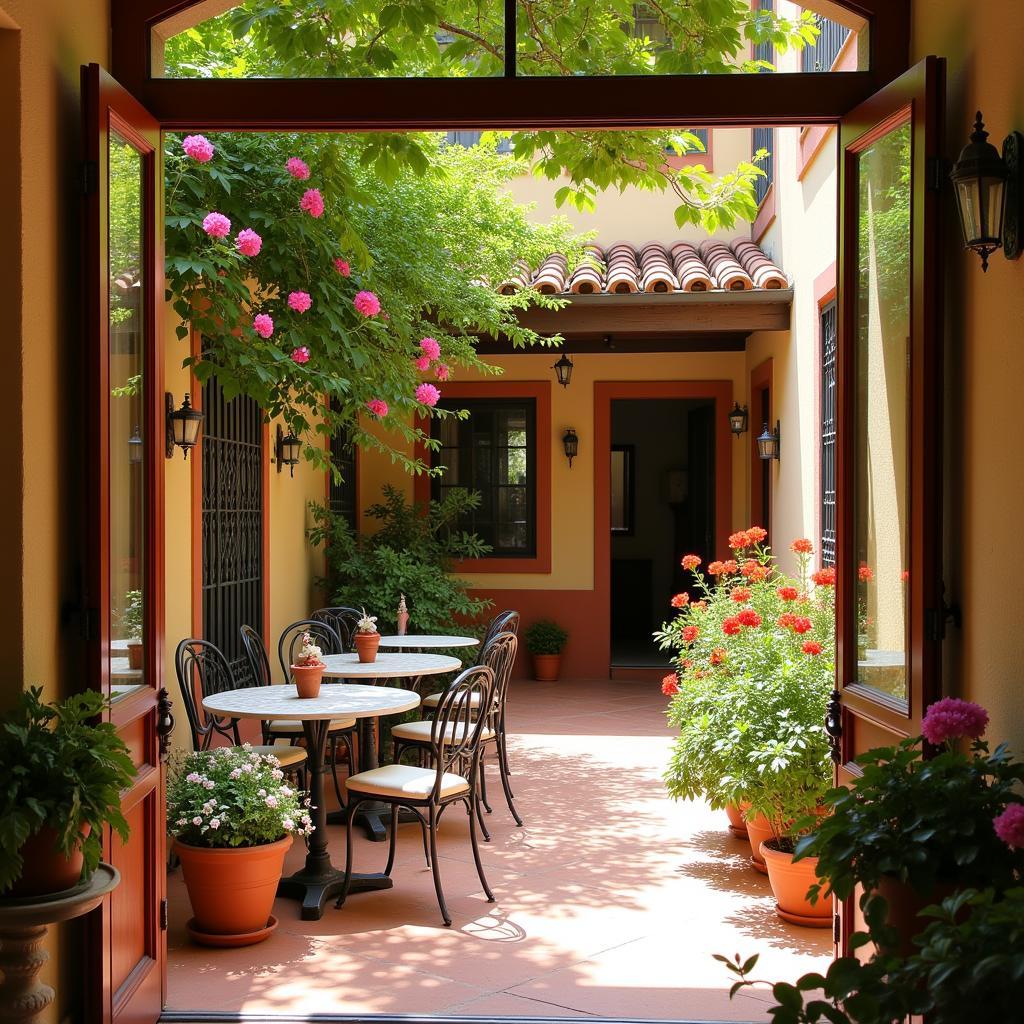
column 126, row 455
column 881, row 353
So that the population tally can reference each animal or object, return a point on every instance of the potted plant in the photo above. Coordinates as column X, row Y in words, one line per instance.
column 132, row 627
column 63, row 776
column 754, row 672
column 232, row 817
column 308, row 669
column 910, row 829
column 366, row 638
column 545, row 640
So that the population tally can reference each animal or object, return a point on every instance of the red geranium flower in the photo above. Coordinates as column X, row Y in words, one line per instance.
column 739, row 540
column 690, row 633
column 865, row 573
column 811, row 647
column 716, row 568
column 680, row 600
column 748, row 617
column 718, row 655
column 740, row 594
column 687, row 664
column 824, row 577
column 757, row 534
column 788, row 593
column 731, row 626
column 786, row 620
column 699, row 606
column 690, row 562
column 729, row 565
column 669, row 685
column 802, row 547
column 802, row 624
column 754, row 570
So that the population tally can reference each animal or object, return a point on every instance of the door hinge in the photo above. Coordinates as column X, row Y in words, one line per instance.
column 163, row 914
column 90, row 177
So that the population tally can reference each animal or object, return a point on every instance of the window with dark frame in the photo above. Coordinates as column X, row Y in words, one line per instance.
column 341, row 497
column 822, row 55
column 493, row 452
column 829, row 364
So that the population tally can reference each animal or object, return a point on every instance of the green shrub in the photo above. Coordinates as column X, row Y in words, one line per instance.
column 545, row 637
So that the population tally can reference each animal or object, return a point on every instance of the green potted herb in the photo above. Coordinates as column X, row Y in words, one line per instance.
column 63, row 776
column 545, row 641
column 909, row 829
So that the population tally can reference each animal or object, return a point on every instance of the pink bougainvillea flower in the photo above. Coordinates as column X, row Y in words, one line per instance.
column 951, row 718
column 378, row 407
column 422, row 364
column 216, row 225
column 297, row 168
column 1009, row 826
column 312, row 202
column 366, row 303
column 427, row 394
column 299, row 301
column 248, row 242
column 300, row 355
column 342, row 267
column 199, row 147
column 263, row 325
column 442, row 372
column 430, row 348
column 811, row 647
column 669, row 686
column 690, row 562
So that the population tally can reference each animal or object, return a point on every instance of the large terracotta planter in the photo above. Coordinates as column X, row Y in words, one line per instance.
column 307, row 680
column 790, row 881
column 547, row 667
column 366, row 646
column 905, row 904
column 232, row 890
column 737, row 823
column 759, row 830
column 45, row 869
column 135, row 654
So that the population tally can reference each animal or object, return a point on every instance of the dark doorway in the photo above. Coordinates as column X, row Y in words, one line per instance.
column 663, row 505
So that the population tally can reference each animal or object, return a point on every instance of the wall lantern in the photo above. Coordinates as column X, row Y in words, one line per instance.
column 987, row 189
column 571, row 444
column 135, row 448
column 769, row 443
column 563, row 370
column 738, row 419
column 288, row 448
column 182, row 425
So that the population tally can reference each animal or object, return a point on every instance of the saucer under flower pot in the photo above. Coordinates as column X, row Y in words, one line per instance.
column 737, row 822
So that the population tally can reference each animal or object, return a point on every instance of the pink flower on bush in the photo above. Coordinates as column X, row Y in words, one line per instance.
column 442, row 372
column 951, row 718
column 216, row 225
column 263, row 325
column 430, row 348
column 248, row 242
column 1009, row 826
column 312, row 202
column 427, row 394
column 342, row 267
column 366, row 303
column 297, row 168
column 300, row 355
column 199, row 147
column 299, row 301
column 378, row 407
column 422, row 364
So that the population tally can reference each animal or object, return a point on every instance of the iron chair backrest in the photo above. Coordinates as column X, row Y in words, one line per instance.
column 202, row 671
column 259, row 663
column 343, row 620
column 499, row 656
column 457, row 728
column 503, row 622
column 325, row 636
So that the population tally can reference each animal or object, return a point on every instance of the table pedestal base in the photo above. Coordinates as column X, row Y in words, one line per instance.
column 374, row 819
column 315, row 888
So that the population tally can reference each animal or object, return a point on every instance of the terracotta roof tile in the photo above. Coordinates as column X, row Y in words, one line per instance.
column 622, row 268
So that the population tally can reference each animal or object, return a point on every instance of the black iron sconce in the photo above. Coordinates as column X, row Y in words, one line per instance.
column 182, row 425
column 571, row 444
column 563, row 370
column 988, row 193
column 288, row 447
column 769, row 443
column 135, row 447
column 738, row 419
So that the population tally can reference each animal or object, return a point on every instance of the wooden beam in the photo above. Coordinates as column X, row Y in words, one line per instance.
column 623, row 344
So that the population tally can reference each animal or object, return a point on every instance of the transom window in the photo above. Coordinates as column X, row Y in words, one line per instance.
column 493, row 452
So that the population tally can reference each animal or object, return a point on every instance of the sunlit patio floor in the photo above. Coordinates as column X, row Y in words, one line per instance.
column 610, row 901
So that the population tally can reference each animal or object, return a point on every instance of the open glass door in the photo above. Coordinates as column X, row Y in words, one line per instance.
column 123, row 520
column 889, row 591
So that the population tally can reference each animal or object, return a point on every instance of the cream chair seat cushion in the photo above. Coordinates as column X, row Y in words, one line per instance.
column 435, row 698
column 404, row 781
column 288, row 756
column 291, row 727
column 420, row 732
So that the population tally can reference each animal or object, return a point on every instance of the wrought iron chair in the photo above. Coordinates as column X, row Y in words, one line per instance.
column 504, row 622
column 292, row 729
column 455, row 751
column 499, row 656
column 343, row 621
column 202, row 671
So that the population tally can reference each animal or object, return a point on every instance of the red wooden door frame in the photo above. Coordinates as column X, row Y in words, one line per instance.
column 761, row 379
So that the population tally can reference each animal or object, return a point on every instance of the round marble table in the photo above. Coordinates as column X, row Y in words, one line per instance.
column 427, row 642
column 319, row 880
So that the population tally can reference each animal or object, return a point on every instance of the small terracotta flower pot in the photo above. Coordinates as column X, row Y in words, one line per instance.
column 737, row 823
column 307, row 680
column 759, row 830
column 366, row 646
column 547, row 667
column 790, row 881
column 45, row 869
column 135, row 654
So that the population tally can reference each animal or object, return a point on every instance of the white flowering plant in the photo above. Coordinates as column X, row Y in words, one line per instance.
column 366, row 624
column 233, row 796
column 309, row 654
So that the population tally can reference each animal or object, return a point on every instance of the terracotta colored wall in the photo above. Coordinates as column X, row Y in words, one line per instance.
column 984, row 318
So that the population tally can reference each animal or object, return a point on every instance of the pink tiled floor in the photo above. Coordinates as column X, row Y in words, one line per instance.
column 610, row 901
